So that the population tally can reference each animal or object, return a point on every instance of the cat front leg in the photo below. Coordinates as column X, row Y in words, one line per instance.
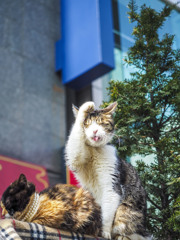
column 76, row 148
column 110, row 203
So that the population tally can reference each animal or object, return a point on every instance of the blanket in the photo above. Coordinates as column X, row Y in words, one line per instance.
column 11, row 229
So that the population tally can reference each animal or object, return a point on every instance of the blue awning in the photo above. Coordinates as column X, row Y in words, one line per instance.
column 85, row 51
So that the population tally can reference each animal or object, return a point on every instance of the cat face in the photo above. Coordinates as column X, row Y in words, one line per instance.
column 17, row 195
column 99, row 126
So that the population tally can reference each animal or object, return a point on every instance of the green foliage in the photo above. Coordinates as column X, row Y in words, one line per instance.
column 174, row 220
column 148, row 117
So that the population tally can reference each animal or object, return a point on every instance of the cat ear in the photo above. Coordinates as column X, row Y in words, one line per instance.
column 75, row 110
column 22, row 179
column 111, row 108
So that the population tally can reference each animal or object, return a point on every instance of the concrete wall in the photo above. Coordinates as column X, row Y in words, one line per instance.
column 32, row 105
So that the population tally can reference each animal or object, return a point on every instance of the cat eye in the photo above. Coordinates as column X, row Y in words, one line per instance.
column 88, row 121
column 98, row 121
column 106, row 124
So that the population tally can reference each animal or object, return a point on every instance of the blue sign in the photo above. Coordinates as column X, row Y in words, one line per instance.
column 85, row 51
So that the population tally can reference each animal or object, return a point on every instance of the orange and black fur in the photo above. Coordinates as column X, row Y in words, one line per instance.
column 61, row 206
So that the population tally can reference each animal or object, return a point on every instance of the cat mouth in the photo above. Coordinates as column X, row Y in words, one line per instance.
column 96, row 138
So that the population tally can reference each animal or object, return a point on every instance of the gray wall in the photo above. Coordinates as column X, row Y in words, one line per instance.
column 32, row 98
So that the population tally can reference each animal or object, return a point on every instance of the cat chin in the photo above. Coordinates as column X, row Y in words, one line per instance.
column 93, row 143
column 100, row 143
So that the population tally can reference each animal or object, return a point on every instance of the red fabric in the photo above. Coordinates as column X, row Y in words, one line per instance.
column 59, row 234
column 10, row 169
column 71, row 179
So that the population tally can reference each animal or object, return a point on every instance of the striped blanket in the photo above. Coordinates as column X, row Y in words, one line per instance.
column 11, row 229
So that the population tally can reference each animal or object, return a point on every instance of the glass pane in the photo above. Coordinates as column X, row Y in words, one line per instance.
column 124, row 39
column 123, row 32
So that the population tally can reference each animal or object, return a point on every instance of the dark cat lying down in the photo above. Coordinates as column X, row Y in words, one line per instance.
column 62, row 206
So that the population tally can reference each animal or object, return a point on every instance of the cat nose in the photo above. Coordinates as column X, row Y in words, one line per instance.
column 95, row 131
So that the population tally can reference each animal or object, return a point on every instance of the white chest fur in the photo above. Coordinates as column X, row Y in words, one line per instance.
column 96, row 172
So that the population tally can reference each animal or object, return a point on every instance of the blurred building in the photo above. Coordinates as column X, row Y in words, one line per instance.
column 35, row 106
column 32, row 98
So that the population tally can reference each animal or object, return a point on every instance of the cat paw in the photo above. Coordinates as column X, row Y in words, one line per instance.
column 122, row 238
column 106, row 235
column 85, row 109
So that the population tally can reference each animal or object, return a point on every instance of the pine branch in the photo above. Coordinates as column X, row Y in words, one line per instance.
column 163, row 113
column 167, row 119
column 154, row 217
column 133, row 11
column 153, row 203
column 173, row 129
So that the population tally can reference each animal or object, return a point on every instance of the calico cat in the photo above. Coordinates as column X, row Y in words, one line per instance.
column 62, row 206
column 113, row 182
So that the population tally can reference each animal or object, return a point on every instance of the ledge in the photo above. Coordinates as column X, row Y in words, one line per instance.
column 18, row 230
